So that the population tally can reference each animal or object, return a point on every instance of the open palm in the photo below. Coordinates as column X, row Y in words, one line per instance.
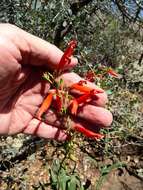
column 22, row 90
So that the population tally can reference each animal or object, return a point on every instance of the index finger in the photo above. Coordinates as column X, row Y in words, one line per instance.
column 34, row 50
column 45, row 53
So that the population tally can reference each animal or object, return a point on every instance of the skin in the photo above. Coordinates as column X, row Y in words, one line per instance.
column 22, row 90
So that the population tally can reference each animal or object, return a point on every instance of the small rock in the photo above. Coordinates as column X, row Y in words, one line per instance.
column 17, row 143
column 9, row 140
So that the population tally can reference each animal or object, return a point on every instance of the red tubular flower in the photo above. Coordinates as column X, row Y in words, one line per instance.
column 66, row 58
column 58, row 103
column 45, row 105
column 88, row 94
column 83, row 98
column 85, row 89
column 82, row 88
column 88, row 133
column 113, row 73
column 74, row 107
column 90, row 75
column 75, row 102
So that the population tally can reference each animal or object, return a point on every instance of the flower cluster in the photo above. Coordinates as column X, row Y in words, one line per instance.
column 60, row 97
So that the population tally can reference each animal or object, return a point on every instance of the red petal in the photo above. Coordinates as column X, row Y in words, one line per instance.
column 45, row 105
column 74, row 107
column 67, row 55
column 83, row 98
column 90, row 76
column 58, row 103
column 81, row 88
column 87, row 132
column 113, row 73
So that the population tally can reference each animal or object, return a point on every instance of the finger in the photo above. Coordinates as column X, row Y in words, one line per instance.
column 71, row 78
column 95, row 115
column 41, row 129
column 52, row 119
column 34, row 50
column 45, row 53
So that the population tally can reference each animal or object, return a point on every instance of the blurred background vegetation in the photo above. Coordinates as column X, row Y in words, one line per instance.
column 109, row 33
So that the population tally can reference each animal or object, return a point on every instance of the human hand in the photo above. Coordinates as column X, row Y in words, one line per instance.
column 23, row 57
